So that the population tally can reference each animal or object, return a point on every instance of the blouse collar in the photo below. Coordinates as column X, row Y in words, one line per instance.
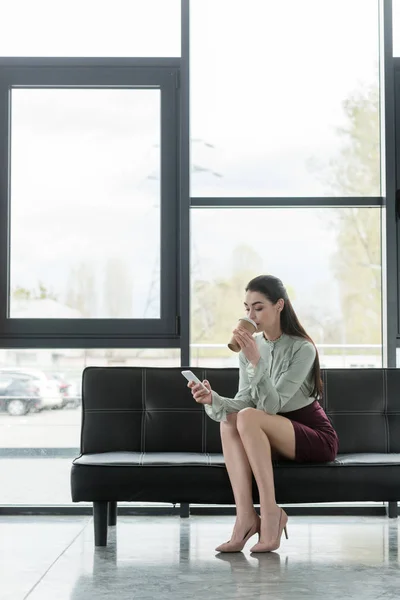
column 272, row 343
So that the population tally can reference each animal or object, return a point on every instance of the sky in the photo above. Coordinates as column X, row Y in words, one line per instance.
column 90, row 28
column 396, row 27
column 268, row 82
column 85, row 187
column 268, row 86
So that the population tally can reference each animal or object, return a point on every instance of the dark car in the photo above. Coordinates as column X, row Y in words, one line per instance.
column 18, row 395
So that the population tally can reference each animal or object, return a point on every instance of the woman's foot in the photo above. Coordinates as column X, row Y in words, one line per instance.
column 243, row 530
column 272, row 526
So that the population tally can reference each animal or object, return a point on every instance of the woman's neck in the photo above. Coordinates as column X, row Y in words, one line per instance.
column 273, row 333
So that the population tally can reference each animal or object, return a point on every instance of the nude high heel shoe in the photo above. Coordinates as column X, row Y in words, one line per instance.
column 238, row 546
column 283, row 519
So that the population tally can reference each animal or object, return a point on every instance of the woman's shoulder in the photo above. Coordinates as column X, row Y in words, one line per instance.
column 302, row 345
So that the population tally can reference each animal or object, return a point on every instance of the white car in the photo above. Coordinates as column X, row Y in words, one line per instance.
column 49, row 391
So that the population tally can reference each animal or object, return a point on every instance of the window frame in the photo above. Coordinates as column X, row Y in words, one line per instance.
column 396, row 191
column 97, row 73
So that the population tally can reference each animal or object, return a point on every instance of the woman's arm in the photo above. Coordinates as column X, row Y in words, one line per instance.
column 221, row 406
column 272, row 398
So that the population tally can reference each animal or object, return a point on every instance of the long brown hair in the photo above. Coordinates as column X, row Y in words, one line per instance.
column 272, row 288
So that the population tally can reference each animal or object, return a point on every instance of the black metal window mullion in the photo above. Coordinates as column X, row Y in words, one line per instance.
column 390, row 282
column 184, row 164
column 280, row 202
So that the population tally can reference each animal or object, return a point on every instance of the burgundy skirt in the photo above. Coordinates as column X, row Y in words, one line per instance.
column 316, row 439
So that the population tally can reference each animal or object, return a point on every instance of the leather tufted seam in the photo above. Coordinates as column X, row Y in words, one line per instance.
column 143, row 447
column 170, row 410
column 204, row 423
column 141, row 410
column 84, row 409
column 385, row 408
column 326, row 391
column 114, row 410
column 363, row 413
column 204, row 432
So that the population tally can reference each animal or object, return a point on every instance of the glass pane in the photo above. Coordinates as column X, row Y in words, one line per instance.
column 328, row 259
column 85, row 203
column 279, row 107
column 396, row 27
column 102, row 28
column 47, row 384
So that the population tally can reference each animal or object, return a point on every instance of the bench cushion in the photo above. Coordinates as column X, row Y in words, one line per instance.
column 173, row 459
column 108, row 459
column 201, row 478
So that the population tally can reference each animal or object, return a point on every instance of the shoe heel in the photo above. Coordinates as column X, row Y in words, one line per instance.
column 286, row 534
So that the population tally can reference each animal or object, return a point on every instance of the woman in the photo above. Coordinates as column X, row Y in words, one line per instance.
column 276, row 410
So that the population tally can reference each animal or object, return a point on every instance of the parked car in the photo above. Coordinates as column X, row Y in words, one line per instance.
column 18, row 395
column 49, row 393
column 74, row 394
column 70, row 390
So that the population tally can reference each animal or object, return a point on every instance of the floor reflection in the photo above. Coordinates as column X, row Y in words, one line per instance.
column 315, row 560
column 326, row 558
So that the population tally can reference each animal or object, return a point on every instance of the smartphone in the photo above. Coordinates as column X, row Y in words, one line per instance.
column 192, row 377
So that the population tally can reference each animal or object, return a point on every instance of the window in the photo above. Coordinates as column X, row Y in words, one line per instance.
column 85, row 203
column 40, row 415
column 90, row 28
column 87, row 221
column 396, row 27
column 280, row 96
column 328, row 259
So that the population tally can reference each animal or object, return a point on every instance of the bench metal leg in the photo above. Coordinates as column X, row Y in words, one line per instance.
column 184, row 510
column 392, row 510
column 112, row 514
column 100, row 519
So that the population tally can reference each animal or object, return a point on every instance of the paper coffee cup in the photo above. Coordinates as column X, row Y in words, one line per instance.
column 246, row 323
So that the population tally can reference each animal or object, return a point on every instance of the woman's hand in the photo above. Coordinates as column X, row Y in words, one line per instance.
column 248, row 345
column 199, row 393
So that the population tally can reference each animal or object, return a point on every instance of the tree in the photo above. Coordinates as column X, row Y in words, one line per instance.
column 217, row 304
column 117, row 289
column 355, row 171
column 21, row 293
column 357, row 268
column 81, row 289
column 41, row 293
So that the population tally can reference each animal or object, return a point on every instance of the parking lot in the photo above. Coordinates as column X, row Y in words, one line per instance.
column 48, row 428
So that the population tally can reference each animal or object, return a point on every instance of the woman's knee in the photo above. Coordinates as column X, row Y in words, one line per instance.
column 246, row 416
column 230, row 424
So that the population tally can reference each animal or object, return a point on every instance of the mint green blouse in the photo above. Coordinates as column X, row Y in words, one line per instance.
column 281, row 382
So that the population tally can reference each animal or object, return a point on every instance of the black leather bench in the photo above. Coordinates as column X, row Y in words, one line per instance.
column 144, row 439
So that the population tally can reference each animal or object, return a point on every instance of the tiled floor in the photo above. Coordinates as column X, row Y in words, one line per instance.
column 168, row 558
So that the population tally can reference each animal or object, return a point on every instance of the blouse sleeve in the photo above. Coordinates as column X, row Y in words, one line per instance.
column 222, row 406
column 272, row 398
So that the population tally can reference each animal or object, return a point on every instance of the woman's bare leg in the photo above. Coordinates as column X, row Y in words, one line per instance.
column 240, row 476
column 258, row 432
